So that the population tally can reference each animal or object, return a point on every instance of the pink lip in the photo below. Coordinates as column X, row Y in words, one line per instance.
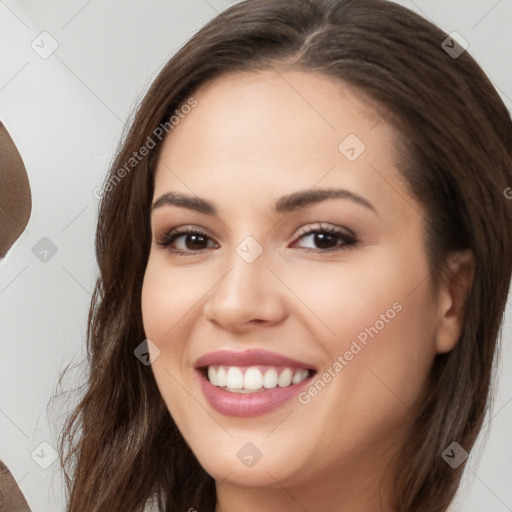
column 254, row 404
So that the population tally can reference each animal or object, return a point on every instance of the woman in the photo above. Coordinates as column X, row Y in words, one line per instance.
column 304, row 240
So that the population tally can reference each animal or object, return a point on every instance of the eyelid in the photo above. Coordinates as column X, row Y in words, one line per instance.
column 319, row 226
column 165, row 239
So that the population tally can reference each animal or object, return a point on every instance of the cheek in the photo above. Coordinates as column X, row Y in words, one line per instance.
column 379, row 318
column 163, row 306
column 379, row 361
column 168, row 297
column 384, row 382
column 343, row 299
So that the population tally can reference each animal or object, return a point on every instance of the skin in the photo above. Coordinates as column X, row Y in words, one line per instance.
column 253, row 138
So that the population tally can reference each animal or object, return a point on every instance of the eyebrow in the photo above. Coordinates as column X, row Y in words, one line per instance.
column 285, row 204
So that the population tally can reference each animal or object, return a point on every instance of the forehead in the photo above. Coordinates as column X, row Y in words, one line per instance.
column 271, row 132
column 271, row 110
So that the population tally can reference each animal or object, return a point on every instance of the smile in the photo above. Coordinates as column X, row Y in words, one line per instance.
column 254, row 378
column 250, row 383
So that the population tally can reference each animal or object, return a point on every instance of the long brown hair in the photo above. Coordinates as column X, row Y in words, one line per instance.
column 120, row 446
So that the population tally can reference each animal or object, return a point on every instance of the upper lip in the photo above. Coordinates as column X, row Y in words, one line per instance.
column 251, row 357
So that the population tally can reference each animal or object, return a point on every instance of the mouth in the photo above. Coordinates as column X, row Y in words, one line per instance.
column 254, row 379
column 250, row 383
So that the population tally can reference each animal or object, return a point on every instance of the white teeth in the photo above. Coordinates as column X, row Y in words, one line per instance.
column 235, row 378
column 212, row 376
column 285, row 379
column 221, row 377
column 270, row 379
column 252, row 379
column 298, row 376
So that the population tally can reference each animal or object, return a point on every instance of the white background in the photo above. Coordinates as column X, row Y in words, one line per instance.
column 66, row 114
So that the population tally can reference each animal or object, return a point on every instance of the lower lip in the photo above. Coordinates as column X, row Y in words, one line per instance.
column 246, row 405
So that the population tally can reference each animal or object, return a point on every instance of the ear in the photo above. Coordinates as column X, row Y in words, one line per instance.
column 454, row 289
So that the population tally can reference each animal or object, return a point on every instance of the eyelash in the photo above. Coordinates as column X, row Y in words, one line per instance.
column 349, row 240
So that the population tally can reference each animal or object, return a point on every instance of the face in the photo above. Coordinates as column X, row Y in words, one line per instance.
column 285, row 250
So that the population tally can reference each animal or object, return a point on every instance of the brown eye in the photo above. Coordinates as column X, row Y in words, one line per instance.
column 327, row 239
column 186, row 241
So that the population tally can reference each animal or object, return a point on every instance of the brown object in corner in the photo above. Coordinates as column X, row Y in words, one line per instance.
column 15, row 206
column 11, row 498
column 15, row 197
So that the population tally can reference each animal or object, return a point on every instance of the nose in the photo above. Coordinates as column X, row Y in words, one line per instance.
column 248, row 296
